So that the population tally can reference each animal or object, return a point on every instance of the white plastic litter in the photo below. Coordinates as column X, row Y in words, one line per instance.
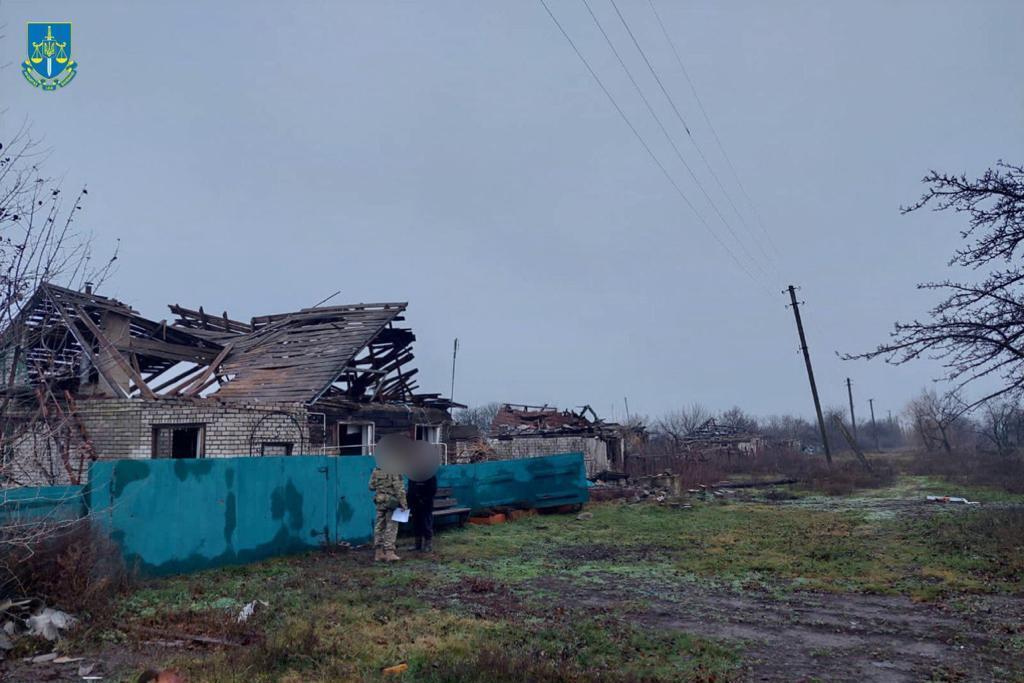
column 952, row 499
column 250, row 609
column 49, row 623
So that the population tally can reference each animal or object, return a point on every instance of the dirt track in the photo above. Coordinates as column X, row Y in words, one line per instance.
column 821, row 636
column 797, row 636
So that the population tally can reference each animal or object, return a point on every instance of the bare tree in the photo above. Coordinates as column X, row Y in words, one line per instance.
column 480, row 416
column 977, row 330
column 39, row 243
column 790, row 428
column 936, row 419
column 738, row 419
column 675, row 425
column 1001, row 427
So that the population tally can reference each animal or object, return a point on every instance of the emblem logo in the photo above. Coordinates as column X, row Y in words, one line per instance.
column 49, row 65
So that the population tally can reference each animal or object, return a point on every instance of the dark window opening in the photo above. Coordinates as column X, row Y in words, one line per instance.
column 273, row 448
column 179, row 441
column 428, row 433
column 355, row 438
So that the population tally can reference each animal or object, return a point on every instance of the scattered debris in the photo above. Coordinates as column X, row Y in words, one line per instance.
column 584, row 516
column 250, row 609
column 952, row 499
column 487, row 520
column 611, row 476
column 396, row 669
column 41, row 659
column 31, row 616
column 49, row 622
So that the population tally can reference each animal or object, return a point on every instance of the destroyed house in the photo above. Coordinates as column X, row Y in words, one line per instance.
column 88, row 377
column 712, row 438
column 521, row 431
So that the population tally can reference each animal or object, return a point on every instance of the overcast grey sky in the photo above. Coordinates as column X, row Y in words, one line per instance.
column 258, row 156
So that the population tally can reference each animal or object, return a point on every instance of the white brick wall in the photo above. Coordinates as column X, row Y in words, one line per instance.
column 595, row 451
column 123, row 428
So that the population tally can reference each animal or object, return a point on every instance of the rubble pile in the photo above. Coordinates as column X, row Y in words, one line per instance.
column 665, row 487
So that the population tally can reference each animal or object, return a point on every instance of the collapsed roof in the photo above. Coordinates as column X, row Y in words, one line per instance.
column 711, row 430
column 90, row 344
column 519, row 419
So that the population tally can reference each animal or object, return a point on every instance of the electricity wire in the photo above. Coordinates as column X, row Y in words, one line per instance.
column 647, row 147
column 711, row 127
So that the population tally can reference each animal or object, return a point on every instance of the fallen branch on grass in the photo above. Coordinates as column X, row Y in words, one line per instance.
column 174, row 635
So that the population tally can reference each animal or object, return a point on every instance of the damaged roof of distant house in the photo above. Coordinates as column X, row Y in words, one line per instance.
column 711, row 430
column 351, row 352
column 520, row 419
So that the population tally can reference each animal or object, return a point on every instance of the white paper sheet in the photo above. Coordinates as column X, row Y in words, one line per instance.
column 400, row 515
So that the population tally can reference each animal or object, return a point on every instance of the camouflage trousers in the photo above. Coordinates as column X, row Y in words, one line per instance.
column 385, row 530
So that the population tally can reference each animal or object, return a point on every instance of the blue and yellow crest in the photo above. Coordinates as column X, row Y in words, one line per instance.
column 49, row 65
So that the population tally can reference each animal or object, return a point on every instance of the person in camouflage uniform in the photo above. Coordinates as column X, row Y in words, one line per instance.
column 389, row 494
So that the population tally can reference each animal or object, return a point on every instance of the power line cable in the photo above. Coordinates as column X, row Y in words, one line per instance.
column 714, row 133
column 668, row 137
column 685, row 125
column 646, row 147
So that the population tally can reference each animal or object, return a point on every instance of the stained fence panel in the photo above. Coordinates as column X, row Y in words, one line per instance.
column 175, row 516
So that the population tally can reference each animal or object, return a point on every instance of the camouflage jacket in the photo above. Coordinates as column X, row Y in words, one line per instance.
column 389, row 489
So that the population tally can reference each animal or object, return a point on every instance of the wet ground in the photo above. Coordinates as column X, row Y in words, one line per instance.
column 788, row 635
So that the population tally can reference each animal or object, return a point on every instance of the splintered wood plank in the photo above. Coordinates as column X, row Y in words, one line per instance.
column 87, row 349
column 108, row 347
column 200, row 382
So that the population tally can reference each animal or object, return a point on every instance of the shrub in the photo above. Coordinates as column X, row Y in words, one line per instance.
column 73, row 567
column 996, row 534
column 971, row 468
column 846, row 474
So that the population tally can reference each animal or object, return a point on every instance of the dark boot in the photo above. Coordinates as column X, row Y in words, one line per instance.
column 428, row 545
column 419, row 543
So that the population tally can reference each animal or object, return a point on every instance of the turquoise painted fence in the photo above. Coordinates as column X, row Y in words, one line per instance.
column 532, row 482
column 174, row 516
column 41, row 504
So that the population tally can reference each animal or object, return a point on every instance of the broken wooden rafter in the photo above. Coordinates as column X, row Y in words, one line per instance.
column 107, row 346
column 87, row 349
column 170, row 351
column 177, row 378
column 204, row 379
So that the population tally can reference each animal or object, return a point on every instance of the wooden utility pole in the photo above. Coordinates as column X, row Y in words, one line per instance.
column 853, row 442
column 455, row 352
column 853, row 418
column 810, row 372
column 874, row 427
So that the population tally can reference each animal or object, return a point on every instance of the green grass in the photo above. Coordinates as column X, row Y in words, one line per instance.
column 919, row 487
column 754, row 546
column 493, row 605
